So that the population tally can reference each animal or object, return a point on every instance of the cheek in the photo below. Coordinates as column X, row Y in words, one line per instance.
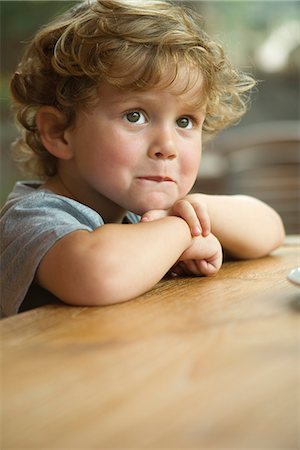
column 110, row 154
column 119, row 150
column 189, row 170
column 191, row 163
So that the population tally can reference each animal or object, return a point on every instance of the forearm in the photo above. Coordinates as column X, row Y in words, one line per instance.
column 245, row 227
column 115, row 262
column 139, row 255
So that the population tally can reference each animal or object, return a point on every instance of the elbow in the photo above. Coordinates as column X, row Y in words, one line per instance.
column 279, row 232
column 102, row 291
column 270, row 233
column 108, row 290
column 101, row 283
column 274, row 234
column 101, row 287
column 86, row 270
column 265, row 241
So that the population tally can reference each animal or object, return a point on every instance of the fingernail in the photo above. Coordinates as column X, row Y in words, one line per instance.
column 145, row 219
column 196, row 231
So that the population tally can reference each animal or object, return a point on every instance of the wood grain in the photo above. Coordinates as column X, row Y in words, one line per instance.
column 194, row 363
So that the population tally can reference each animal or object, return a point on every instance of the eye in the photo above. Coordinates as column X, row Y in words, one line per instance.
column 135, row 117
column 184, row 122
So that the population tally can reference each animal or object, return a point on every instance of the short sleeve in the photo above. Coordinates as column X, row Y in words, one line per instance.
column 29, row 228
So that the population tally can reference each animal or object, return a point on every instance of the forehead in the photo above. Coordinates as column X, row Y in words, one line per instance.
column 184, row 83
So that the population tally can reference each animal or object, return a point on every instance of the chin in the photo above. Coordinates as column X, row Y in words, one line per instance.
column 150, row 202
column 140, row 210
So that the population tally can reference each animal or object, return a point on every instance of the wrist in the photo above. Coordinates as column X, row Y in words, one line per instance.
column 181, row 228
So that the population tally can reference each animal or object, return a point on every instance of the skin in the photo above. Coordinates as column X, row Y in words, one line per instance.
column 141, row 151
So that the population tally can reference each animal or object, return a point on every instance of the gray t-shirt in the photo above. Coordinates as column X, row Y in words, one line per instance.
column 31, row 222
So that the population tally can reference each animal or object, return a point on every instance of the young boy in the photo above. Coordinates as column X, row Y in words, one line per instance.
column 114, row 100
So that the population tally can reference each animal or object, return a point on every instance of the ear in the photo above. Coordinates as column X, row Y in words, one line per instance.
column 50, row 123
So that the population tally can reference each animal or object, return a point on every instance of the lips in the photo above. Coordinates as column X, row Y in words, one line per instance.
column 157, row 179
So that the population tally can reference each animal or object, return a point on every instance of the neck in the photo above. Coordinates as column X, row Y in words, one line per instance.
column 65, row 189
column 109, row 211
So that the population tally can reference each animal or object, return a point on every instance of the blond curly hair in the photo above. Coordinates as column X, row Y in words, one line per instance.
column 126, row 43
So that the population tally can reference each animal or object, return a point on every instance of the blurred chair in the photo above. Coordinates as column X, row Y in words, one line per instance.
column 259, row 160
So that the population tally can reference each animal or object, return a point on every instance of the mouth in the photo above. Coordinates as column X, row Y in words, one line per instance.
column 157, row 179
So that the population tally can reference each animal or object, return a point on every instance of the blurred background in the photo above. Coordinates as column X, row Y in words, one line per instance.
column 260, row 156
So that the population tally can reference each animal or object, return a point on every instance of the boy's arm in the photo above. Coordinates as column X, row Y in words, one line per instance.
column 115, row 262
column 246, row 227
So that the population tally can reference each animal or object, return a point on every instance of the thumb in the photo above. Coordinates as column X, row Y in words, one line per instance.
column 154, row 214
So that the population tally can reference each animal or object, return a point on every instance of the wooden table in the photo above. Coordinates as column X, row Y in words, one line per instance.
column 208, row 363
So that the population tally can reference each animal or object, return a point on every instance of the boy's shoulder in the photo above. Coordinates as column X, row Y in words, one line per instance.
column 30, row 200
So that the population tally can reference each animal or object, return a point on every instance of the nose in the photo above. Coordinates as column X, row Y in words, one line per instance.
column 163, row 145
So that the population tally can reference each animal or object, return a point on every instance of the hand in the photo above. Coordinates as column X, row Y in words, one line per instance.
column 203, row 257
column 192, row 209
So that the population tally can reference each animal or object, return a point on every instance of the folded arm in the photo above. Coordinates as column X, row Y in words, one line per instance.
column 118, row 262
column 246, row 227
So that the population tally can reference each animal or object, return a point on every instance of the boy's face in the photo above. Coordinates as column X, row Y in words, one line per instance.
column 136, row 150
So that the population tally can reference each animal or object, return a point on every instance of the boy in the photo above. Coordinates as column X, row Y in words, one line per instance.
column 114, row 100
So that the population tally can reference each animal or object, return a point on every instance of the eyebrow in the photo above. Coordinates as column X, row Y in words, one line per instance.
column 132, row 96
column 199, row 106
column 196, row 105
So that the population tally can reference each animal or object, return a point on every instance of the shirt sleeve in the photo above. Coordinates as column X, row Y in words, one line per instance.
column 29, row 228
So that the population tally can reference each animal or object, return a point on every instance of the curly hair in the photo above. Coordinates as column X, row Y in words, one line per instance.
column 128, row 44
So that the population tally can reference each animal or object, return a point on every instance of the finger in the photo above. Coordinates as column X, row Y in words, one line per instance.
column 192, row 267
column 176, row 270
column 189, row 267
column 186, row 211
column 208, row 268
column 203, row 217
column 182, row 268
column 152, row 215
